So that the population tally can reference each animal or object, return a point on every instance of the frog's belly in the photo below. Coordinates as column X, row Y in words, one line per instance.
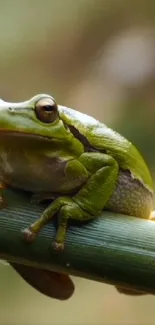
column 36, row 174
column 130, row 197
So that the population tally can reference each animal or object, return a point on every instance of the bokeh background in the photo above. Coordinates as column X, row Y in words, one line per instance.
column 97, row 56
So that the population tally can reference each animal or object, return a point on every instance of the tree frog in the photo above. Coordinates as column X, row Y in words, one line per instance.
column 56, row 151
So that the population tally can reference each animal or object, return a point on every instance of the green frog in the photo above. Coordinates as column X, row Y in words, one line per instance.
column 58, row 152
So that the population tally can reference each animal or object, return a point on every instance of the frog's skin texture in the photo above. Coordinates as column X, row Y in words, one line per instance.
column 55, row 151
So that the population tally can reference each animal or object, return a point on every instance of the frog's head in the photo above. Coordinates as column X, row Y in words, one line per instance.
column 37, row 117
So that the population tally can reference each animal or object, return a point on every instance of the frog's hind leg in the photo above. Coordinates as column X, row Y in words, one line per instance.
column 31, row 232
column 67, row 209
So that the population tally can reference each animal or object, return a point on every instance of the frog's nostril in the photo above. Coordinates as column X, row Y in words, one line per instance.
column 10, row 109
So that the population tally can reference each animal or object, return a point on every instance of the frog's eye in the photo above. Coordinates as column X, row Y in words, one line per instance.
column 46, row 110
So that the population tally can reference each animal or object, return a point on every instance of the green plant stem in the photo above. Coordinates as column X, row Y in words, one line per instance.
column 113, row 249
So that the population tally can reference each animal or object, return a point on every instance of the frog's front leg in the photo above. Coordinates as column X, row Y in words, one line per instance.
column 89, row 200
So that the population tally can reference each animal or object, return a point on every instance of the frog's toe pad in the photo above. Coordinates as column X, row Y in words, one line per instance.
column 59, row 247
column 29, row 235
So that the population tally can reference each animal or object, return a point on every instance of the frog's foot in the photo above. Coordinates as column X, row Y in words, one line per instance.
column 59, row 247
column 66, row 209
column 29, row 235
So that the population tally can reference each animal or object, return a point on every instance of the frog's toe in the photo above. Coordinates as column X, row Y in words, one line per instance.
column 59, row 247
column 29, row 235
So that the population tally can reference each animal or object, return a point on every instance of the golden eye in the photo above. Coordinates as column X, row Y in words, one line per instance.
column 46, row 110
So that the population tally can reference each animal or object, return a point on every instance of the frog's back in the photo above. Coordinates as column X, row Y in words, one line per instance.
column 107, row 140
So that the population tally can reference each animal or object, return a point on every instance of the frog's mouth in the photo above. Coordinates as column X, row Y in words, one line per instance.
column 21, row 134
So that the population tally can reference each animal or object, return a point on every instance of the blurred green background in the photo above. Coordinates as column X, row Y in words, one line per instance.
column 98, row 57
